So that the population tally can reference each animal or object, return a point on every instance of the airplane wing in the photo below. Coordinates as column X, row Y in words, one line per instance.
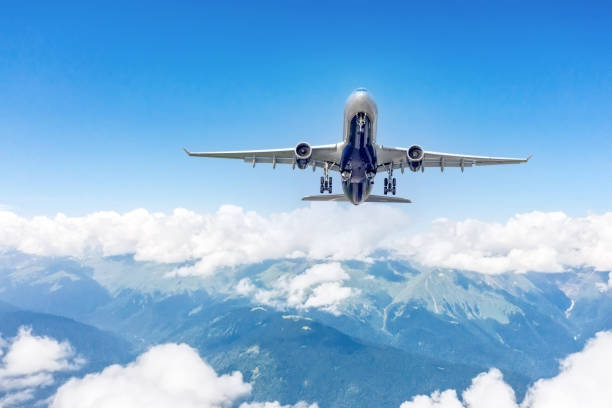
column 397, row 157
column 321, row 155
column 370, row 199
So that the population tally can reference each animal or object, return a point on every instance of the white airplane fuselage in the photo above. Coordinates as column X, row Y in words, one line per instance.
column 358, row 163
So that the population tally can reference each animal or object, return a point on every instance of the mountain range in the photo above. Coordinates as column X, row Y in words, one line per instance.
column 398, row 329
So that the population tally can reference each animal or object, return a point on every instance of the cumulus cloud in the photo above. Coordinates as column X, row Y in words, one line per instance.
column 446, row 399
column 320, row 286
column 29, row 354
column 168, row 375
column 276, row 404
column 583, row 381
column 536, row 241
column 29, row 362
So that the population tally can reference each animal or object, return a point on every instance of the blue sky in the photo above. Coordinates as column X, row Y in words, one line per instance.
column 97, row 101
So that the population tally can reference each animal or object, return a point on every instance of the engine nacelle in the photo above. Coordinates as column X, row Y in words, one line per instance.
column 303, row 153
column 415, row 157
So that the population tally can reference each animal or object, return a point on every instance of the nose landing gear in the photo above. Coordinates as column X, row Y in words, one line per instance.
column 361, row 120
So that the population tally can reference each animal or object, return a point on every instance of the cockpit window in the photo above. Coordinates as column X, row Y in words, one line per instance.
column 361, row 90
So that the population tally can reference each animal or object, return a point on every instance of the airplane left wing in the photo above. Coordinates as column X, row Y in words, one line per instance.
column 321, row 155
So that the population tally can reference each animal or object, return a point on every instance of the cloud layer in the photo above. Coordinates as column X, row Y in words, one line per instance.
column 29, row 362
column 583, row 381
column 168, row 375
column 546, row 242
column 536, row 241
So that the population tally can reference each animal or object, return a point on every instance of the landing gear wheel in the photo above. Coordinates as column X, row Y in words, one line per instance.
column 393, row 188
column 393, row 191
column 386, row 186
column 326, row 185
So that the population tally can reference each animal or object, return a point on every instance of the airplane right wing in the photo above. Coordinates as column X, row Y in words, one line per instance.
column 434, row 159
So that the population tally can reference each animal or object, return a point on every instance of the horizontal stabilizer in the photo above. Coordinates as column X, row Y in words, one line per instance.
column 386, row 199
column 370, row 199
column 329, row 197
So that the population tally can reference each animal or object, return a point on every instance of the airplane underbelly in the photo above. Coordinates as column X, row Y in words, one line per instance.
column 357, row 192
column 358, row 161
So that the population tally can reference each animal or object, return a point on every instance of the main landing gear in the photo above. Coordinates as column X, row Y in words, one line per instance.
column 326, row 185
column 390, row 183
column 326, row 181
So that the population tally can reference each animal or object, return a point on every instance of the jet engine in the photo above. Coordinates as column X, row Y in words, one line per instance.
column 303, row 153
column 415, row 157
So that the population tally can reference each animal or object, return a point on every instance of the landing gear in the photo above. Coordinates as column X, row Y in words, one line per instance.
column 390, row 187
column 390, row 183
column 326, row 185
column 326, row 181
column 361, row 120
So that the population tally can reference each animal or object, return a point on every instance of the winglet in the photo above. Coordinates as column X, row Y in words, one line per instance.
column 530, row 156
column 187, row 151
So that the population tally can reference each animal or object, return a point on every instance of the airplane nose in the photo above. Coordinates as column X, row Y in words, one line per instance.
column 361, row 100
column 360, row 93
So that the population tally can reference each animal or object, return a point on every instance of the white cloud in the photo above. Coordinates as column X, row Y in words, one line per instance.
column 16, row 398
column 536, row 241
column 446, row 399
column 29, row 354
column 320, row 286
column 489, row 390
column 583, row 381
column 328, row 295
column 276, row 404
column 603, row 286
column 546, row 242
column 228, row 237
column 29, row 362
column 169, row 375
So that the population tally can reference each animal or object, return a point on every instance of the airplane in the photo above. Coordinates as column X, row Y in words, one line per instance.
column 358, row 158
